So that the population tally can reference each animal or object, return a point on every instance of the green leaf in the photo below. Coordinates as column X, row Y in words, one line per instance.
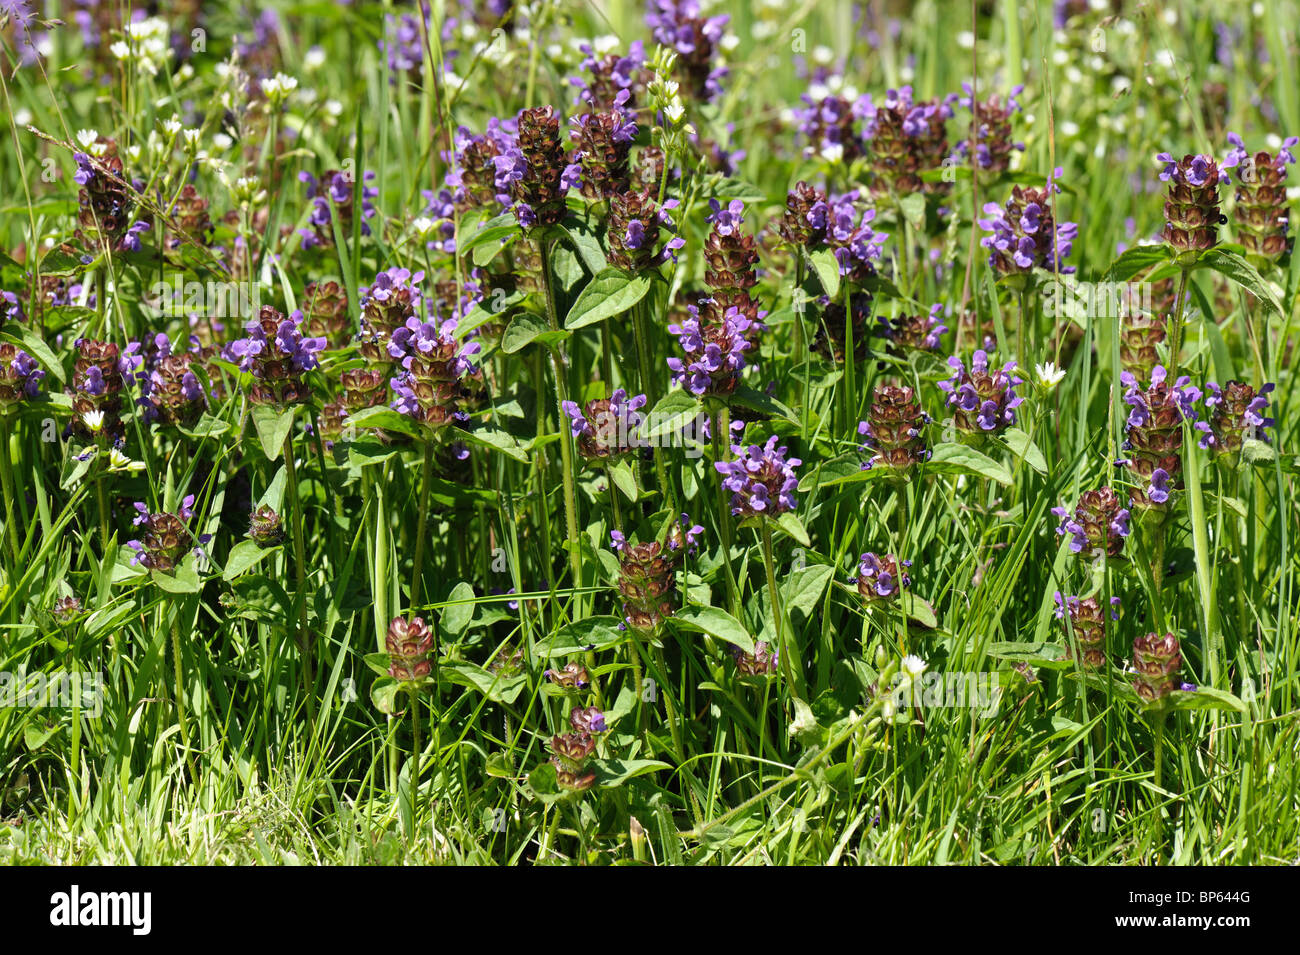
column 489, row 437
column 242, row 556
column 184, row 581
column 588, row 248
column 1019, row 444
column 793, row 527
column 913, row 208
column 459, row 609
column 496, row 688
column 526, row 328
column 598, row 632
column 1255, row 451
column 624, row 478
column 60, row 262
column 716, row 622
column 206, row 427
column 1236, row 269
column 959, row 459
column 37, row 734
column 610, row 293
column 383, row 694
column 764, row 403
column 727, row 188
column 33, row 344
column 1206, row 698
column 492, row 231
column 1040, row 653
column 379, row 662
column 672, row 413
column 1138, row 259
column 919, row 610
column 615, row 772
column 827, row 270
column 273, row 427
column 803, row 589
column 543, row 784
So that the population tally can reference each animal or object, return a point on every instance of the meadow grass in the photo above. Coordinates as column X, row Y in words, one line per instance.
column 248, row 710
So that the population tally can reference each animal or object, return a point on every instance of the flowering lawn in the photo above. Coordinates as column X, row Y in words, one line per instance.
column 649, row 433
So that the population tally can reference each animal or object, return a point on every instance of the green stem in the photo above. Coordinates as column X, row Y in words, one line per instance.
column 180, row 701
column 718, row 426
column 786, row 647
column 650, row 387
column 300, row 572
column 1176, row 325
column 7, row 473
column 426, row 473
column 566, row 449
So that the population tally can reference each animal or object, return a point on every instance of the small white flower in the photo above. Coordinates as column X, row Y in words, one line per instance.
column 314, row 58
column 913, row 666
column 423, row 226
column 173, row 126
column 93, row 420
column 191, row 137
column 87, row 137
column 833, row 153
column 120, row 51
column 278, row 88
column 222, row 141
column 1049, row 376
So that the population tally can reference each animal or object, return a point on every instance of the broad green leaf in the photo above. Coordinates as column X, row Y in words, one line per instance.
column 459, row 609
column 1237, row 269
column 598, row 632
column 526, row 328
column 716, row 622
column 959, row 459
column 1138, row 259
column 673, row 411
column 615, row 772
column 610, row 293
column 789, row 523
column 273, row 427
column 827, row 271
column 242, row 556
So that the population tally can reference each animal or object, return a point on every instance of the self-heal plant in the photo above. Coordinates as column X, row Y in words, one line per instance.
column 761, row 479
column 277, row 354
column 762, row 482
column 1260, row 200
column 1087, row 621
column 635, row 224
column 1192, row 213
column 1236, row 414
column 607, row 427
column 1025, row 234
column 1097, row 526
column 894, row 432
column 1154, row 434
column 714, row 351
column 881, row 577
column 920, row 332
column 386, row 306
column 983, row 400
column 535, row 170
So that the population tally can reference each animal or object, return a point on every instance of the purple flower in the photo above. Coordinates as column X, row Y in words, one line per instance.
column 761, row 480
